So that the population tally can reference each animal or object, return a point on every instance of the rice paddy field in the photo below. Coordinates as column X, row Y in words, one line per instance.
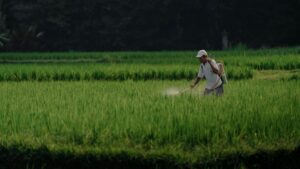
column 113, row 110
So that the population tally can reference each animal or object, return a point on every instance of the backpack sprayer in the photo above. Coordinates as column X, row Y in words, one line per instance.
column 222, row 73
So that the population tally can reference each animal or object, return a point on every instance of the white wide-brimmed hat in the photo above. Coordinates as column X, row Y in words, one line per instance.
column 201, row 53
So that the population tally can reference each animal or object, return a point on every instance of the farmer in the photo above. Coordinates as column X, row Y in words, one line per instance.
column 209, row 70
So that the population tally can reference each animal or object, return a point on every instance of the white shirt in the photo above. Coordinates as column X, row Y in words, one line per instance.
column 213, row 80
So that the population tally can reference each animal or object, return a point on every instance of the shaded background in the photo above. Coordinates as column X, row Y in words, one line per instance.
column 93, row 25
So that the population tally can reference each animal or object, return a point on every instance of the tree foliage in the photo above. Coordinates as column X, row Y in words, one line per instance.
column 149, row 25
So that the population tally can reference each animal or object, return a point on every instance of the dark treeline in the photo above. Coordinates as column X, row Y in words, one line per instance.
column 93, row 25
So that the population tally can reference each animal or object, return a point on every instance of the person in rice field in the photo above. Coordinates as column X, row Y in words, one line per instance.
column 210, row 70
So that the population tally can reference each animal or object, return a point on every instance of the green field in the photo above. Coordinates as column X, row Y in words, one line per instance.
column 103, row 72
column 64, row 110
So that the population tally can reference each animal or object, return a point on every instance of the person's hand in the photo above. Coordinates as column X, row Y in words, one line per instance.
column 208, row 59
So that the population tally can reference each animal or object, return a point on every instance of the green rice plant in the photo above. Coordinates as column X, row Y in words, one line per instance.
column 291, row 66
column 63, row 76
column 33, row 75
column 278, row 58
column 137, row 117
column 87, row 76
column 41, row 77
column 24, row 76
column 235, row 73
column 44, row 76
column 120, row 106
column 55, row 76
column 70, row 76
column 98, row 75
column 270, row 65
column 48, row 76
column 13, row 77
column 291, row 78
column 137, row 76
column 77, row 76
column 156, row 65
column 122, row 73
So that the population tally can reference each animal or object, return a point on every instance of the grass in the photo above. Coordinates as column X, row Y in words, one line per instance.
column 96, row 115
column 280, row 58
column 276, row 74
column 161, row 55
column 112, row 111
column 120, row 72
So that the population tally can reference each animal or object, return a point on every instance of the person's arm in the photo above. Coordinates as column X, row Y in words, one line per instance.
column 213, row 66
column 199, row 77
column 197, row 80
